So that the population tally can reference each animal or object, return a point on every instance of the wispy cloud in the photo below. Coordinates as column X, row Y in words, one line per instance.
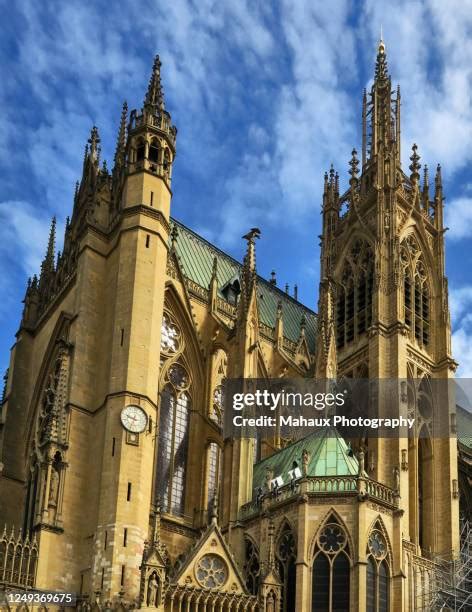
column 265, row 96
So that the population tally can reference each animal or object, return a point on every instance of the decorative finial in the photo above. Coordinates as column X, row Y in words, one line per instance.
column 381, row 69
column 415, row 165
column 94, row 142
column 295, row 292
column 279, row 309
column 250, row 258
column 273, row 279
column 354, row 167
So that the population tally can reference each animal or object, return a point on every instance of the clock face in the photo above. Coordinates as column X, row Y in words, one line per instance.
column 134, row 419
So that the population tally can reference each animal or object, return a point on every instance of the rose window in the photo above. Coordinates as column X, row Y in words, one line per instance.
column 377, row 545
column 211, row 571
column 332, row 539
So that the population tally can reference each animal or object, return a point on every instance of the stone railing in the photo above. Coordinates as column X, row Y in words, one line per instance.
column 380, row 492
column 197, row 290
column 190, row 597
column 18, row 560
column 321, row 486
column 332, row 484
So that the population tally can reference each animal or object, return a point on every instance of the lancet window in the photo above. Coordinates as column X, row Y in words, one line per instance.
column 252, row 567
column 174, row 417
column 286, row 552
column 213, row 473
column 331, row 569
column 416, row 294
column 354, row 298
column 378, row 573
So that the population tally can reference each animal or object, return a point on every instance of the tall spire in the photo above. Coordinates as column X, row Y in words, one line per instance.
column 155, row 95
column 50, row 253
column 121, row 139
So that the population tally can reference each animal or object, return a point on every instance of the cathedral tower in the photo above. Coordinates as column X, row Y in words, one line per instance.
column 383, row 250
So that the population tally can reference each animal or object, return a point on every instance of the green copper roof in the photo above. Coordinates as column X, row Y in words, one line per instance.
column 464, row 426
column 196, row 256
column 328, row 456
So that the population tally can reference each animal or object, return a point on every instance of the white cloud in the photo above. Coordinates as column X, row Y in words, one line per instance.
column 458, row 214
column 460, row 300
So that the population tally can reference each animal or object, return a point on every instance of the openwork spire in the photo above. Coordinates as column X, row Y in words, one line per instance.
column 155, row 95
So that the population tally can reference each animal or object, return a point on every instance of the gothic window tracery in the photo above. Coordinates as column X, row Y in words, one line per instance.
column 211, row 571
column 416, row 294
column 213, row 473
column 170, row 335
column 286, row 553
column 331, row 569
column 354, row 298
column 377, row 591
column 174, row 418
column 219, row 371
column 252, row 568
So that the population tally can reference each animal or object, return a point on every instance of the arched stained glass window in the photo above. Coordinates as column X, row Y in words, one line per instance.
column 286, row 557
column 252, row 568
column 331, row 570
column 172, row 449
column 377, row 579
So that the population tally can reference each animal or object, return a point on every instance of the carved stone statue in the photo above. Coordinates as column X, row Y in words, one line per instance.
column 153, row 590
column 305, row 460
column 396, row 479
column 361, row 460
column 53, row 487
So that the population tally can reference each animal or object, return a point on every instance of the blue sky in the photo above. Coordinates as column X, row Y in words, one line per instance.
column 265, row 96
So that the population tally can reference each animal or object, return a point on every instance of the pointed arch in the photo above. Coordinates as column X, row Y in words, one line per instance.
column 191, row 351
column 379, row 525
column 252, row 566
column 58, row 342
column 379, row 568
column 354, row 275
column 331, row 556
column 331, row 516
column 286, row 556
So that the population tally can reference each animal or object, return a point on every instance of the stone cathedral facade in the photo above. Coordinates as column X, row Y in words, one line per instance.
column 117, row 482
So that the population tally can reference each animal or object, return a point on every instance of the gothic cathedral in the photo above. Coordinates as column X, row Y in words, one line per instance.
column 116, row 481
